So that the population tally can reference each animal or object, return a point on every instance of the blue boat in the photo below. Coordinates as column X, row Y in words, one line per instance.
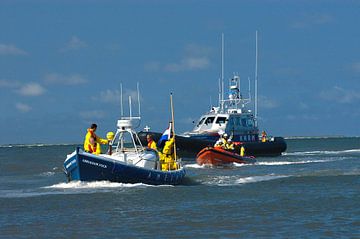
column 129, row 162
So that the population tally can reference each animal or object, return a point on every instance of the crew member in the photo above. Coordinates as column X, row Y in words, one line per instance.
column 93, row 147
column 167, row 157
column 224, row 142
column 263, row 136
column 242, row 151
column 151, row 143
column 91, row 132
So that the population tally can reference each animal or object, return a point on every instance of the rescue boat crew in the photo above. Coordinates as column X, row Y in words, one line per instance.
column 151, row 143
column 224, row 142
column 263, row 136
column 91, row 133
column 167, row 157
column 93, row 147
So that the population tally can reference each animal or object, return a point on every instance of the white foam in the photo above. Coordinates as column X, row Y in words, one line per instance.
column 194, row 165
column 98, row 185
column 276, row 163
column 234, row 180
column 255, row 179
column 319, row 152
column 46, row 174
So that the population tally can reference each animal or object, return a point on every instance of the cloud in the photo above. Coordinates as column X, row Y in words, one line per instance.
column 267, row 103
column 188, row 64
column 309, row 20
column 355, row 67
column 113, row 96
column 195, row 58
column 11, row 50
column 8, row 83
column 22, row 107
column 74, row 44
column 340, row 95
column 31, row 89
column 92, row 114
column 55, row 78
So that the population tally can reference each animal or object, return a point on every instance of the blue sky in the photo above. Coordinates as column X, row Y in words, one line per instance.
column 61, row 64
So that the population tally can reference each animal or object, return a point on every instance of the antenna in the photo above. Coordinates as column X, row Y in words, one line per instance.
column 138, row 97
column 219, row 92
column 130, row 106
column 249, row 88
column 121, row 100
column 256, row 76
column 222, row 67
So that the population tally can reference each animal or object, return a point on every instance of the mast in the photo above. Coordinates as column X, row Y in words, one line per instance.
column 121, row 100
column 138, row 97
column 256, row 77
column 222, row 70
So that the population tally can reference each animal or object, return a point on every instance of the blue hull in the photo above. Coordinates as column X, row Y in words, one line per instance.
column 88, row 167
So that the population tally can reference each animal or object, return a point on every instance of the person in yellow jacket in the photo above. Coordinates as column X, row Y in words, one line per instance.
column 91, row 133
column 167, row 157
column 93, row 147
column 224, row 142
column 151, row 143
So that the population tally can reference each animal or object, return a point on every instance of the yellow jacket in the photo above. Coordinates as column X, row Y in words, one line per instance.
column 94, row 150
column 152, row 145
column 90, row 133
column 169, row 147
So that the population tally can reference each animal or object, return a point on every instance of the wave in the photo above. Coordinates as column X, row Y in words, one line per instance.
column 99, row 185
column 276, row 163
column 319, row 152
column 194, row 165
column 33, row 145
column 234, row 180
column 75, row 187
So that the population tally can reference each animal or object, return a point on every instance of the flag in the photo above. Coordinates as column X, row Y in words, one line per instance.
column 165, row 137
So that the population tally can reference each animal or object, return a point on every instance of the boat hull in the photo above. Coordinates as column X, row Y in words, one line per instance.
column 218, row 157
column 88, row 167
column 189, row 147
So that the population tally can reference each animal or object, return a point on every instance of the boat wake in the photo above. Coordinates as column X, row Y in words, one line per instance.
column 234, row 180
column 99, row 185
column 322, row 152
column 194, row 165
column 277, row 163
column 75, row 187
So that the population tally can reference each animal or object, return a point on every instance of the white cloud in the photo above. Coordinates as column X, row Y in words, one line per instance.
column 6, row 49
column 55, row 78
column 31, row 89
column 74, row 44
column 22, row 107
column 313, row 19
column 8, row 83
column 303, row 106
column 356, row 66
column 196, row 58
column 340, row 95
column 113, row 96
column 92, row 114
column 267, row 103
column 188, row 64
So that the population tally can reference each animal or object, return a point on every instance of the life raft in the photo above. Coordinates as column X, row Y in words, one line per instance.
column 218, row 156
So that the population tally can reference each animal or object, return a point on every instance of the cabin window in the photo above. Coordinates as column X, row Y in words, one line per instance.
column 200, row 122
column 221, row 120
column 209, row 120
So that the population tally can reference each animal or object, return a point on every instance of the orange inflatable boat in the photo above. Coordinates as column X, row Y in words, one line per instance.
column 218, row 156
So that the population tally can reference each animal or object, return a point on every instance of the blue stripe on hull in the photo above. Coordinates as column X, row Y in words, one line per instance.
column 89, row 168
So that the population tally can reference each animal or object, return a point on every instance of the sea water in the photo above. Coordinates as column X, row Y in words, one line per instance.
column 311, row 191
